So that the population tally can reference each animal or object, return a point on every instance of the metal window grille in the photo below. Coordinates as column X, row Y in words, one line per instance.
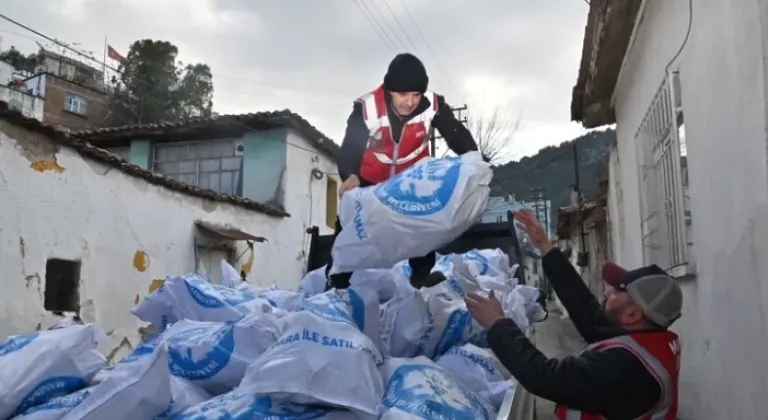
column 661, row 185
column 212, row 164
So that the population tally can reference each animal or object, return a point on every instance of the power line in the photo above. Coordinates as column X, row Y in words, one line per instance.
column 386, row 4
column 375, row 25
column 386, row 22
column 232, row 120
column 432, row 52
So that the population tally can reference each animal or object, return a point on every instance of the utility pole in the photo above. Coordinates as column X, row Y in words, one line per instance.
column 582, row 258
column 537, row 194
column 461, row 115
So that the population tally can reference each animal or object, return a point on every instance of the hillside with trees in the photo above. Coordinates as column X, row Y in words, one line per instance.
column 552, row 170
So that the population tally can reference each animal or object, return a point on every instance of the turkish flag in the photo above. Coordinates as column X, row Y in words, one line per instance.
column 113, row 54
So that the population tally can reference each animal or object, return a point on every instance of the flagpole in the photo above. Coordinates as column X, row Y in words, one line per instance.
column 104, row 64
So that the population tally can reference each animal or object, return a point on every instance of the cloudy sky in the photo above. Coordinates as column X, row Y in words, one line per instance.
column 314, row 57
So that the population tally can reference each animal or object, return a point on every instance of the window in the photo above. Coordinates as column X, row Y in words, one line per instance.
column 212, row 164
column 62, row 285
column 663, row 184
column 75, row 104
column 331, row 201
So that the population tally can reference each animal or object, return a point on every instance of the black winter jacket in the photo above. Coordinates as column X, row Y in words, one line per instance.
column 613, row 383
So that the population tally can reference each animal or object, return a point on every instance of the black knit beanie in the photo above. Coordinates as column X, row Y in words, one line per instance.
column 406, row 73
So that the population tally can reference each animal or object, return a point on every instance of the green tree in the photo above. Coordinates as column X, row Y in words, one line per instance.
column 153, row 86
column 18, row 60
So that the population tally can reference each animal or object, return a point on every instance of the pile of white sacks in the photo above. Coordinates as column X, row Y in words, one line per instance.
column 380, row 349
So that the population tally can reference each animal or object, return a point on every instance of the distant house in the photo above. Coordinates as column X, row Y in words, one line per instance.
column 686, row 84
column 86, row 230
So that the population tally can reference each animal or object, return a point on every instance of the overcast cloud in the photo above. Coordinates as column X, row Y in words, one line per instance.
column 315, row 57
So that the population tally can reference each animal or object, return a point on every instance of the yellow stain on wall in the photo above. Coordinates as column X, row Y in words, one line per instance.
column 156, row 283
column 46, row 166
column 248, row 264
column 140, row 261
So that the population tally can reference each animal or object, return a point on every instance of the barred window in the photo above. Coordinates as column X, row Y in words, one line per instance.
column 662, row 153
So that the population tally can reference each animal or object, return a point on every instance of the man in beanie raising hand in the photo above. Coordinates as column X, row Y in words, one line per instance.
column 387, row 132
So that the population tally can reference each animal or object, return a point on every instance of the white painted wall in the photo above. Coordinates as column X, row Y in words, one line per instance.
column 724, row 327
column 30, row 106
column 102, row 216
column 6, row 72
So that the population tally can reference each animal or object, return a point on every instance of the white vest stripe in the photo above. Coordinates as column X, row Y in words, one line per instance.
column 375, row 123
column 652, row 364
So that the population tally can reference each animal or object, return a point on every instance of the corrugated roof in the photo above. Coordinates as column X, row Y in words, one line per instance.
column 253, row 121
column 90, row 151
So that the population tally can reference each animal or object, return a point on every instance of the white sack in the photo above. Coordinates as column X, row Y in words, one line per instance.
column 319, row 361
column 479, row 370
column 237, row 405
column 380, row 280
column 191, row 297
column 415, row 212
column 357, row 306
column 55, row 408
column 286, row 300
column 428, row 325
column 419, row 389
column 137, row 388
column 184, row 394
column 488, row 262
column 39, row 366
column 229, row 276
column 215, row 355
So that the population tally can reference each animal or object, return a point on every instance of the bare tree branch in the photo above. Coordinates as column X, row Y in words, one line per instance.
column 494, row 135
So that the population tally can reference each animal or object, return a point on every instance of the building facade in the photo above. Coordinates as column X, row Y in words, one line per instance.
column 685, row 83
column 86, row 231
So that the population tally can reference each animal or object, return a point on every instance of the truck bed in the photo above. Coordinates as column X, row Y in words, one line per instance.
column 518, row 403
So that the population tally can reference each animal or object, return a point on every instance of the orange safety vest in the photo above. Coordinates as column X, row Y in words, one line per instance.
column 383, row 158
column 660, row 353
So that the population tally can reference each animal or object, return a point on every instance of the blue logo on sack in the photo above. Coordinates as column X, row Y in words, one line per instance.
column 50, row 388
column 427, row 392
column 331, row 306
column 215, row 296
column 235, row 406
column 475, row 358
column 61, row 403
column 16, row 342
column 476, row 256
column 421, row 190
column 144, row 349
column 184, row 364
column 455, row 333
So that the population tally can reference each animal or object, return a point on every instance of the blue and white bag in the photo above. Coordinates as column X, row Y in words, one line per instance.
column 319, row 360
column 415, row 212
column 137, row 388
column 43, row 365
column 238, row 405
column 215, row 355
column 191, row 297
column 418, row 389
column 55, row 408
column 479, row 370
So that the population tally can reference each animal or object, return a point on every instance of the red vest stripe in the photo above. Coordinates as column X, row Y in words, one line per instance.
column 660, row 353
column 383, row 157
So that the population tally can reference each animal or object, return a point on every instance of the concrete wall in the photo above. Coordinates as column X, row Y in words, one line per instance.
column 29, row 105
column 724, row 327
column 124, row 231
